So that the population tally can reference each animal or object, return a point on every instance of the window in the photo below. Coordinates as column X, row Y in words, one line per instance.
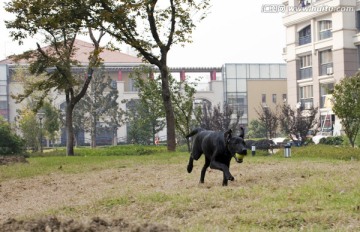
column 305, row 67
column 274, row 98
column 325, row 27
column 306, row 97
column 325, row 90
column 305, row 35
column 306, row 92
column 263, row 98
column 284, row 97
column 326, row 62
column 358, row 20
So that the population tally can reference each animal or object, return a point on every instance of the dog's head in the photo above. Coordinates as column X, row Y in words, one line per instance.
column 236, row 145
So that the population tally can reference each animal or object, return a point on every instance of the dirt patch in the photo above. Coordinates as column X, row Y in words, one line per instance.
column 11, row 159
column 54, row 224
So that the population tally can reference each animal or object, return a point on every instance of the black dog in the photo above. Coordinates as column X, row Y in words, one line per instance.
column 218, row 148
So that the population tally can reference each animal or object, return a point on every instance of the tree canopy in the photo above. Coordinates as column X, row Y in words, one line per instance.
column 346, row 99
column 58, row 23
column 152, row 27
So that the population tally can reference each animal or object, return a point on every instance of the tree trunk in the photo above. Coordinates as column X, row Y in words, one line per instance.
column 169, row 111
column 69, row 130
column 93, row 131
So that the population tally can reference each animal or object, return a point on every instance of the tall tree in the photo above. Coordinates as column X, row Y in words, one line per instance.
column 152, row 27
column 269, row 119
column 346, row 99
column 294, row 122
column 59, row 22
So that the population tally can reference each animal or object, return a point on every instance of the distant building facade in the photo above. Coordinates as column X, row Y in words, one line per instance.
column 247, row 87
column 322, row 47
column 244, row 86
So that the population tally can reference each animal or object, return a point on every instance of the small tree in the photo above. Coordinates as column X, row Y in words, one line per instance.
column 10, row 143
column 269, row 120
column 346, row 99
column 294, row 122
column 217, row 119
column 51, row 122
column 30, row 129
column 256, row 129
column 99, row 102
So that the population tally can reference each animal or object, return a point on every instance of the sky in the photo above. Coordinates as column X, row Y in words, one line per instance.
column 235, row 31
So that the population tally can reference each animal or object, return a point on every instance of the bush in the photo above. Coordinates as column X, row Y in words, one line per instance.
column 336, row 140
column 10, row 143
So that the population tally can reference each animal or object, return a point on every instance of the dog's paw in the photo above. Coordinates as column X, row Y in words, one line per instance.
column 189, row 168
column 231, row 178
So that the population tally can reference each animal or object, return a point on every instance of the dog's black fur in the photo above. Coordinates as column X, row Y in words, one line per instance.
column 218, row 148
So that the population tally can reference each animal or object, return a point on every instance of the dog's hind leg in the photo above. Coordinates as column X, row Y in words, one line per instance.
column 190, row 164
column 203, row 170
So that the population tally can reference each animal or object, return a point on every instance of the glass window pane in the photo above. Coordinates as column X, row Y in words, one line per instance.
column 241, row 71
column 230, row 71
column 274, row 71
column 282, row 71
column 241, row 85
column 2, row 89
column 231, row 85
column 264, row 71
column 254, row 71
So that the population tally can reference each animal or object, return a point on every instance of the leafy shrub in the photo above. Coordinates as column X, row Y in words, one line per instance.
column 10, row 143
column 336, row 140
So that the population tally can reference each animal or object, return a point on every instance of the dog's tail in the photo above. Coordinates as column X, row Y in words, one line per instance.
column 194, row 132
column 190, row 164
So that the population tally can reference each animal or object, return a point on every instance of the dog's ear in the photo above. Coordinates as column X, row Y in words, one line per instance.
column 242, row 132
column 228, row 135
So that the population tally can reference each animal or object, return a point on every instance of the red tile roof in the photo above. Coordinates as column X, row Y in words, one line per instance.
column 82, row 53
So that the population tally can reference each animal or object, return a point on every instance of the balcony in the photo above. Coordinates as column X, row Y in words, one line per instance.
column 305, row 73
column 326, row 69
column 304, row 39
column 307, row 103
column 325, row 34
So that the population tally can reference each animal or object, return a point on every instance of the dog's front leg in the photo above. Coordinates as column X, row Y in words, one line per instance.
column 203, row 170
column 222, row 167
column 225, row 181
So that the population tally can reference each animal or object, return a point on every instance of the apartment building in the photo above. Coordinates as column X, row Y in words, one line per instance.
column 322, row 47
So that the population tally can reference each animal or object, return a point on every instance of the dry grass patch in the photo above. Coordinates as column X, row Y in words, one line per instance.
column 268, row 194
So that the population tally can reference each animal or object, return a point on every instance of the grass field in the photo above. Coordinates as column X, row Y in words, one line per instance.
column 317, row 189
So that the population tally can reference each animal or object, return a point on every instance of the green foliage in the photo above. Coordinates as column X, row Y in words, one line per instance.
column 335, row 140
column 30, row 129
column 256, row 130
column 270, row 120
column 51, row 121
column 146, row 116
column 57, row 23
column 99, row 104
column 10, row 143
column 347, row 105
